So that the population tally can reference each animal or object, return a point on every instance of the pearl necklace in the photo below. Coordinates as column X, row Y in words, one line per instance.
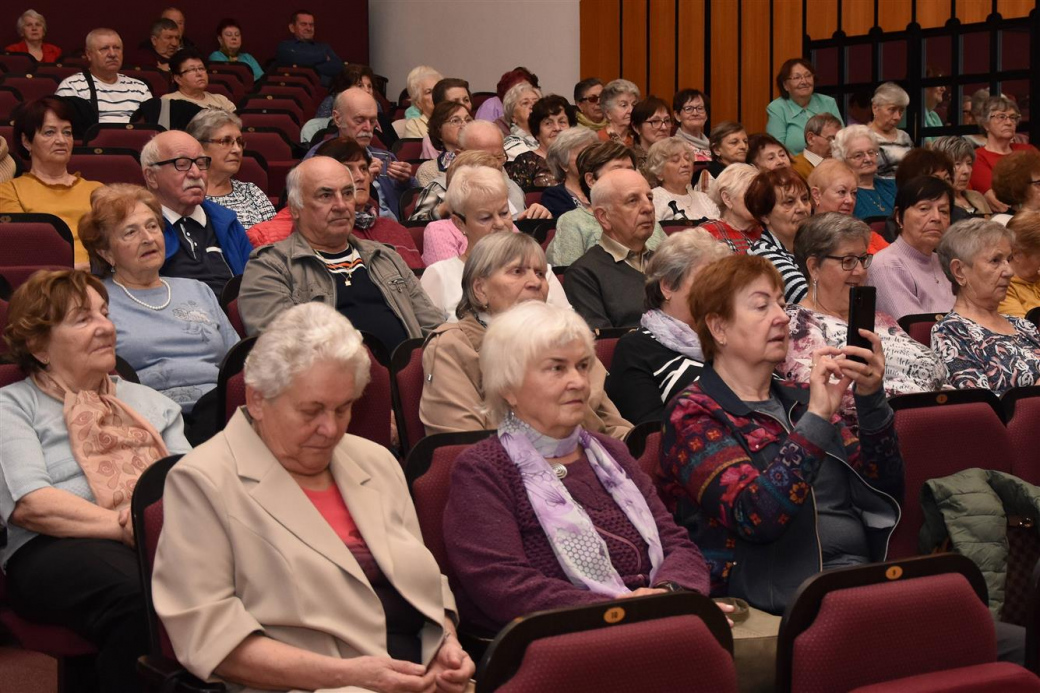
column 169, row 295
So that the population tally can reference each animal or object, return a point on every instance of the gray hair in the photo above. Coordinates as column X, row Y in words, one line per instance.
column 207, row 121
column 997, row 103
column 473, row 127
column 474, row 183
column 298, row 339
column 512, row 97
column 953, row 146
column 30, row 14
column 293, row 194
column 94, row 34
column 818, row 122
column 847, row 135
column 821, row 234
column 558, row 157
column 676, row 258
column 660, row 152
column 489, row 255
column 417, row 75
column 965, row 240
column 615, row 89
column 516, row 338
column 734, row 180
column 150, row 152
column 890, row 93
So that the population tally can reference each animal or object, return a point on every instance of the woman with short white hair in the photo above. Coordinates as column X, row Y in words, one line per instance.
column 669, row 169
column 565, row 515
column 32, row 27
column 982, row 348
column 736, row 226
column 618, row 99
column 420, row 82
column 517, row 105
column 998, row 116
column 859, row 147
column 664, row 355
column 888, row 105
column 562, row 159
column 312, row 508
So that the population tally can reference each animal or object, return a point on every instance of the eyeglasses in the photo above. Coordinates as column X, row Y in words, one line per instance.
column 456, row 120
column 690, row 110
column 226, row 142
column 199, row 68
column 1001, row 117
column 591, row 99
column 183, row 163
column 848, row 262
column 860, row 156
column 659, row 122
column 807, row 77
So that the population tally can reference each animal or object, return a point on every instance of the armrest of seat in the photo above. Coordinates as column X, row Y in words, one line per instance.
column 164, row 675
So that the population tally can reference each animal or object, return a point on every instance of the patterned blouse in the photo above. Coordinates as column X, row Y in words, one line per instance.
column 977, row 357
column 530, row 170
column 247, row 201
column 909, row 365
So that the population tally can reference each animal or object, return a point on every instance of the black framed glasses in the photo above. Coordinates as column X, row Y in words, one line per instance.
column 848, row 262
column 183, row 163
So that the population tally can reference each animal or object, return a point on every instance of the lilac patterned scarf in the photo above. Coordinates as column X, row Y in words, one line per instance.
column 579, row 548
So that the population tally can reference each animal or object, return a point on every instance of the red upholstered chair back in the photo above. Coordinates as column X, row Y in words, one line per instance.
column 157, row 81
column 107, row 165
column 551, row 234
column 370, row 416
column 30, row 86
column 1022, row 407
column 240, row 71
column 3, row 324
column 17, row 62
column 417, row 230
column 16, row 276
column 34, row 240
column 231, row 383
column 253, row 170
column 406, row 202
column 235, row 318
column 270, row 102
column 408, row 148
column 276, row 119
column 272, row 144
column 407, row 381
column 309, row 73
column 605, row 350
column 532, row 197
column 888, row 631
column 941, row 433
column 299, row 93
column 120, row 135
column 9, row 100
column 9, row 374
column 919, row 326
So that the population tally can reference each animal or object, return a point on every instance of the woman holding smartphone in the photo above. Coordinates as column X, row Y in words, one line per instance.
column 831, row 250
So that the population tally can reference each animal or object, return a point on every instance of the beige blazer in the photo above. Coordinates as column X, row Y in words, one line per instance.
column 243, row 551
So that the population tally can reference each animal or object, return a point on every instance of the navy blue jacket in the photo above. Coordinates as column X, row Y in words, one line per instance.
column 230, row 235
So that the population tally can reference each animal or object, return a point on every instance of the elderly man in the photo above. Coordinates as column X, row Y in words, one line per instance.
column 117, row 96
column 323, row 261
column 819, row 133
column 177, row 17
column 204, row 241
column 479, row 135
column 605, row 285
column 163, row 41
column 304, row 51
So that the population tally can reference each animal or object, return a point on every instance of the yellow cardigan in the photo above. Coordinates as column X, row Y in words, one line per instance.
column 1022, row 296
column 27, row 193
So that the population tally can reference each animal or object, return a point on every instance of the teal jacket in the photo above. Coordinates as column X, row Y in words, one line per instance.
column 971, row 509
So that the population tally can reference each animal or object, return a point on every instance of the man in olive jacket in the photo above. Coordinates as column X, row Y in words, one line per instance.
column 368, row 282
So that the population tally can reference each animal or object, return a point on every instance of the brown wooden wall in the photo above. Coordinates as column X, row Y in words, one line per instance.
column 659, row 44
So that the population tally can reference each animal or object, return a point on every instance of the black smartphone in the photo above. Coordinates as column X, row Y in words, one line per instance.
column 862, row 300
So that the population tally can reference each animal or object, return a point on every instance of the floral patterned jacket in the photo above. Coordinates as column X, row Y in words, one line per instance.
column 754, row 516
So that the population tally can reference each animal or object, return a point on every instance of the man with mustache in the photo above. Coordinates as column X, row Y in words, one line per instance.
column 204, row 241
column 118, row 96
column 322, row 260
column 605, row 285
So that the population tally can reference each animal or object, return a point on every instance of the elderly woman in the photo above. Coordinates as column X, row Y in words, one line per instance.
column 858, row 146
column 562, row 159
column 284, row 462
column 544, row 478
column 548, row 118
column 420, row 82
column 907, row 273
column 664, row 355
column 1023, row 293
column 831, row 249
column 780, row 201
column 650, row 124
column 766, row 153
column 479, row 201
column 229, row 39
column 729, row 145
column 690, row 110
column 796, row 104
column 502, row 270
column 982, row 348
column 518, row 103
column 778, row 488
column 74, row 443
column 220, row 133
column 171, row 330
column 43, row 135
column 999, row 118
column 669, row 167
column 933, row 96
column 619, row 98
column 446, row 123
column 1013, row 184
column 963, row 156
column 32, row 27
column 191, row 79
column 888, row 105
column 736, row 226
column 832, row 185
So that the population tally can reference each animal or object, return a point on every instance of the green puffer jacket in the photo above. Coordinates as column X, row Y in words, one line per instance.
column 971, row 508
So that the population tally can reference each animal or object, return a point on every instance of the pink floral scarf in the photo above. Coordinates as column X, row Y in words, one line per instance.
column 111, row 442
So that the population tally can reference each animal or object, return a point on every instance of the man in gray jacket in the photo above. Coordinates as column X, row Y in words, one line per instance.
column 366, row 281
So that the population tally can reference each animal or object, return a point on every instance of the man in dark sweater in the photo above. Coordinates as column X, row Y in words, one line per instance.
column 605, row 285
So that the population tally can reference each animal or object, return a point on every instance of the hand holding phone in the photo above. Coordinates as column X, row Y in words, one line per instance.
column 862, row 300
